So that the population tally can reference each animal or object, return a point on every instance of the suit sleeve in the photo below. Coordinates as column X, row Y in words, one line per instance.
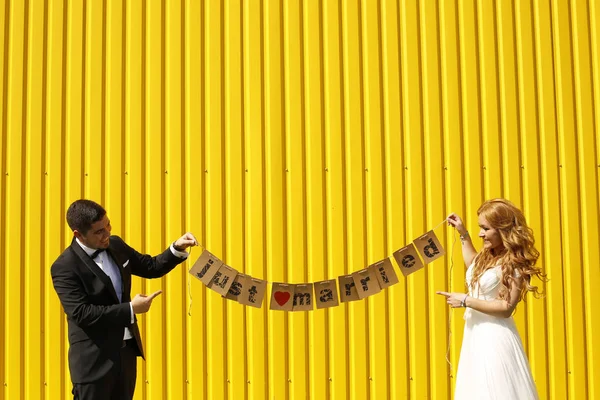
column 75, row 301
column 147, row 266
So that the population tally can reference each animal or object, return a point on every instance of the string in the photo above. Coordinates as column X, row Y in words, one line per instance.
column 189, row 282
column 450, row 313
column 438, row 225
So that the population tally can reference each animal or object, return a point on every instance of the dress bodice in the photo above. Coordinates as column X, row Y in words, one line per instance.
column 488, row 286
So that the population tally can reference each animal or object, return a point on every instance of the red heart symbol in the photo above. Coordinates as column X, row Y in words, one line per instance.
column 282, row 297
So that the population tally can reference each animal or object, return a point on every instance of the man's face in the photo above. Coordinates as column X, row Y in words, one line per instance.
column 97, row 236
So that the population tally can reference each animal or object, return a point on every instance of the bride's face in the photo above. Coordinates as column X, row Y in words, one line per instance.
column 491, row 238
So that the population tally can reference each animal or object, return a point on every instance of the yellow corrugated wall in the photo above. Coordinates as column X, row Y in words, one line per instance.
column 300, row 140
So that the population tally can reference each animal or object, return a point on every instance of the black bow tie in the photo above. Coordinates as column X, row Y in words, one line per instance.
column 95, row 254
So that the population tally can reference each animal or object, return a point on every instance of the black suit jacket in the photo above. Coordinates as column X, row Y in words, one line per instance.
column 95, row 318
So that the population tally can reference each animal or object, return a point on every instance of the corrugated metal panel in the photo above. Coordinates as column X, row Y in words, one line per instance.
column 299, row 141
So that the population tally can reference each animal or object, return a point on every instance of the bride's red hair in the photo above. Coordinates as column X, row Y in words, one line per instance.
column 519, row 255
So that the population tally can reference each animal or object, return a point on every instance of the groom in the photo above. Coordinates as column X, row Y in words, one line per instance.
column 92, row 278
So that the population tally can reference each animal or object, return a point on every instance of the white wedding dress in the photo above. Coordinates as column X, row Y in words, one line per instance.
column 493, row 364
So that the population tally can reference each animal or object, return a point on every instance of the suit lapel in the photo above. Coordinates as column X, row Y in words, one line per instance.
column 92, row 266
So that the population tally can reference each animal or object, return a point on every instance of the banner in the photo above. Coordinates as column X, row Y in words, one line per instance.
column 244, row 289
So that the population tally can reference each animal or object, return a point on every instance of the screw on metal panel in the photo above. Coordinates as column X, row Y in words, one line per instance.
column 370, row 378
column 166, row 172
column 287, row 170
column 46, row 173
column 206, row 170
column 126, row 173
column 327, row 169
column 246, row 169
column 522, row 166
column 330, row 379
column 86, row 174
column 366, row 169
column 405, row 167
column 147, row 382
column 187, row 381
column 446, row 168
column 248, row 382
column 484, row 167
column 289, row 380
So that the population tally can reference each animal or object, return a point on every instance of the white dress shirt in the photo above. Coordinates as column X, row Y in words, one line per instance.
column 107, row 265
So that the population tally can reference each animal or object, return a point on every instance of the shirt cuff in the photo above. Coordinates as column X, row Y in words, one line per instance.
column 177, row 253
column 132, row 316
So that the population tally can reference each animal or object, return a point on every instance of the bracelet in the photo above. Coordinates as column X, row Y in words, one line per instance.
column 463, row 302
column 464, row 237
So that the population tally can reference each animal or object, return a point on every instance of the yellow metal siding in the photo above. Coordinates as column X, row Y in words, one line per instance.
column 299, row 141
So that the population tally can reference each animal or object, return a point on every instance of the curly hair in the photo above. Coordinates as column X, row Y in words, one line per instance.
column 519, row 255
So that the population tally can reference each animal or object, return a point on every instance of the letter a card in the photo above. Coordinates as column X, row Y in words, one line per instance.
column 282, row 297
column 205, row 267
column 303, row 297
column 408, row 259
column 253, row 292
column 326, row 294
column 429, row 247
column 384, row 271
column 366, row 283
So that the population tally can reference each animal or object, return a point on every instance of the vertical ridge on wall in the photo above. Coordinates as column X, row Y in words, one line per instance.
column 4, row 44
column 300, row 141
column 532, row 194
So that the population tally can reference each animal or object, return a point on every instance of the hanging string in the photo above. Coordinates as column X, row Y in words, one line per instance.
column 189, row 282
column 440, row 224
column 450, row 313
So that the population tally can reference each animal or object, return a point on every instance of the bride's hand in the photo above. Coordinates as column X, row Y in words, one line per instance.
column 455, row 221
column 455, row 300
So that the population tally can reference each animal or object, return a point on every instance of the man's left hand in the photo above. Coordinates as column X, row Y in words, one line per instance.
column 187, row 240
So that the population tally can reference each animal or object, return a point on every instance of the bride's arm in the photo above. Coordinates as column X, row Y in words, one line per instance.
column 497, row 308
column 468, row 250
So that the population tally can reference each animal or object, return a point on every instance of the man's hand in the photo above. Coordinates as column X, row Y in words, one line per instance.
column 185, row 241
column 141, row 303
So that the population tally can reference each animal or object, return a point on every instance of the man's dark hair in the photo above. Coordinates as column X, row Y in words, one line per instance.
column 83, row 213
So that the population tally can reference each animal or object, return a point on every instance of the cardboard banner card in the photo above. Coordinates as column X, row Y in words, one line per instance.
column 326, row 294
column 408, row 259
column 282, row 297
column 236, row 287
column 205, row 267
column 223, row 279
column 347, row 289
column 366, row 283
column 429, row 247
column 253, row 292
column 385, row 273
column 303, row 297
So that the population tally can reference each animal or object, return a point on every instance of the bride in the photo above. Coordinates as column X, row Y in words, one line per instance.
column 493, row 363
